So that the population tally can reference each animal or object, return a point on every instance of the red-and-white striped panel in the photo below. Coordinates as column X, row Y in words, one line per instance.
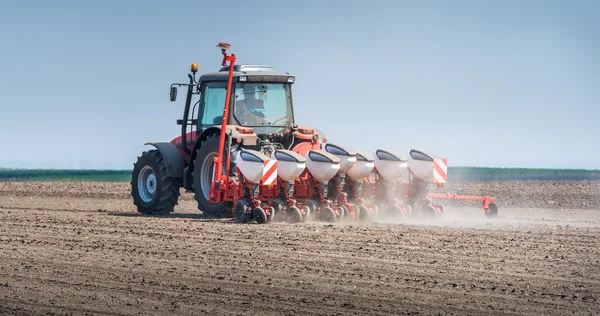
column 269, row 172
column 440, row 170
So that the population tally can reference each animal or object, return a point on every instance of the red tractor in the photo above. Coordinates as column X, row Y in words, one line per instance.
column 240, row 117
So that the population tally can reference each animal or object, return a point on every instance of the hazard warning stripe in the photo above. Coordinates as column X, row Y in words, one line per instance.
column 438, row 178
column 269, row 172
column 440, row 170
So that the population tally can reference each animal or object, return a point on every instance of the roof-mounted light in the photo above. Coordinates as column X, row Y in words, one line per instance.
column 291, row 79
column 194, row 68
column 243, row 78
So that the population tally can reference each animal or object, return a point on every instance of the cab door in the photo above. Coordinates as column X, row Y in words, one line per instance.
column 211, row 105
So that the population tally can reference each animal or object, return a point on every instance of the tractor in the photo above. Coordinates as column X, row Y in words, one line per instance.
column 241, row 111
column 243, row 155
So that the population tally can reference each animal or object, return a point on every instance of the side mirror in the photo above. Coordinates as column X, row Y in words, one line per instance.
column 173, row 94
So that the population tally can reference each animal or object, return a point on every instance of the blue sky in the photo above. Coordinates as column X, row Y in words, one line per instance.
column 484, row 83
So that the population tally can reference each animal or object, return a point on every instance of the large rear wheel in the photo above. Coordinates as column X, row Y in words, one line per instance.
column 203, row 175
column 153, row 192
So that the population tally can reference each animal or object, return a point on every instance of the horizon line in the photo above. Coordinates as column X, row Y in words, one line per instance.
column 449, row 167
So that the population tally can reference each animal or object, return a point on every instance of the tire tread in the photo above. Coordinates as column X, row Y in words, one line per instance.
column 168, row 187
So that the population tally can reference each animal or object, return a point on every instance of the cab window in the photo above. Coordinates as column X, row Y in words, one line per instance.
column 213, row 100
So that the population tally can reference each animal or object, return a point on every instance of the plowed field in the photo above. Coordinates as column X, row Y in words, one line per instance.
column 81, row 249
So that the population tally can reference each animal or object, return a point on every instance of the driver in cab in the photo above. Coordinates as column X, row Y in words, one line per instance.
column 250, row 110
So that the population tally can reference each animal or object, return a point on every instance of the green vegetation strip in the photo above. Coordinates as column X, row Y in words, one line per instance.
column 455, row 174
column 64, row 175
column 463, row 174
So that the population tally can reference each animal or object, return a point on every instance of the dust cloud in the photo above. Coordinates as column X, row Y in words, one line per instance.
column 507, row 219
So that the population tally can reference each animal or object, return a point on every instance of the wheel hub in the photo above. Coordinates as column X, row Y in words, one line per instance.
column 147, row 184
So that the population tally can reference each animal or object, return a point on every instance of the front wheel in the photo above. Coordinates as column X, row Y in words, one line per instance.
column 153, row 192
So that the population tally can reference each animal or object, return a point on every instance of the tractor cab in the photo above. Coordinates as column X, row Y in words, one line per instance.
column 261, row 99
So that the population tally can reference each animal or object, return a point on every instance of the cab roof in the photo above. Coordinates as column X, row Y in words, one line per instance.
column 253, row 72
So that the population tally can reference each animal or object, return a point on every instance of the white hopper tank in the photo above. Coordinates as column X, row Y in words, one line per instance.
column 347, row 156
column 362, row 167
column 390, row 165
column 290, row 164
column 251, row 164
column 322, row 165
column 427, row 166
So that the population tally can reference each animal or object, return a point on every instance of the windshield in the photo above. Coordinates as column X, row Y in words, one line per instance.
column 262, row 104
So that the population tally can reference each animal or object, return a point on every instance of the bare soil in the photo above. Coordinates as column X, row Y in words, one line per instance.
column 82, row 249
column 531, row 194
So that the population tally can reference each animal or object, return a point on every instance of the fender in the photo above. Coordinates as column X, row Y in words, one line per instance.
column 172, row 158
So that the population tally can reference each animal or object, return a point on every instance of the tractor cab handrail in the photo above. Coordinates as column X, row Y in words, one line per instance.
column 188, row 122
